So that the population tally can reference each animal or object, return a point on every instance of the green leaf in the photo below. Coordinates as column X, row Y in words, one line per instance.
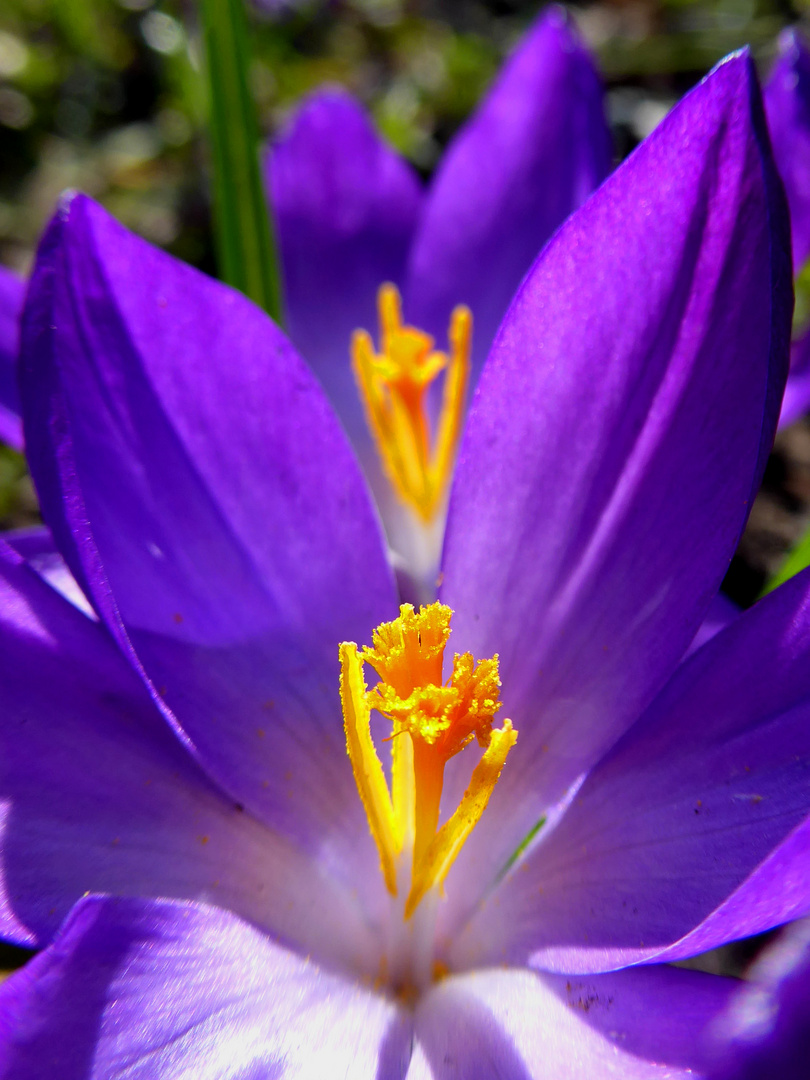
column 796, row 559
column 801, row 312
column 247, row 252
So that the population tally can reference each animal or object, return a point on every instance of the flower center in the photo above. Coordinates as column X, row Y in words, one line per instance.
column 432, row 721
column 394, row 383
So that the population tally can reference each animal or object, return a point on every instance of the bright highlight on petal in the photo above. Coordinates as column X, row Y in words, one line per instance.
column 432, row 721
column 393, row 384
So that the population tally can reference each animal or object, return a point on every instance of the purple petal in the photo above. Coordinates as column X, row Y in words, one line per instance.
column 787, row 106
column 535, row 149
column 695, row 830
column 722, row 611
column 164, row 991
column 765, row 1032
column 96, row 794
column 632, row 1024
column 37, row 547
column 12, row 293
column 796, row 401
column 202, row 493
column 346, row 206
column 627, row 409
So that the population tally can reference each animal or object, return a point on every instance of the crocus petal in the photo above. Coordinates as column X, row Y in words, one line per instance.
column 694, row 830
column 345, row 207
column 166, row 990
column 796, row 401
column 535, row 148
column 787, row 107
column 202, row 493
column 97, row 794
column 765, row 1032
column 12, row 292
column 627, row 407
column 37, row 547
column 635, row 1024
column 722, row 611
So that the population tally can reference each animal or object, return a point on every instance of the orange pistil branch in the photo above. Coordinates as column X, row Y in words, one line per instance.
column 393, row 384
column 432, row 721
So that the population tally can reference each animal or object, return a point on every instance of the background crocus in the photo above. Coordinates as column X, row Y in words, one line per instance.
column 765, row 1032
column 787, row 106
column 200, row 488
column 351, row 214
column 12, row 290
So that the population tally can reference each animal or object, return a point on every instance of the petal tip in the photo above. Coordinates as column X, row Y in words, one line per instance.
column 65, row 202
column 791, row 46
column 556, row 16
column 76, row 212
column 73, row 202
column 736, row 66
column 323, row 109
column 557, row 26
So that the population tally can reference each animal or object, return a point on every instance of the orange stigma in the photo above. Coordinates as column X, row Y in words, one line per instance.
column 393, row 384
column 432, row 721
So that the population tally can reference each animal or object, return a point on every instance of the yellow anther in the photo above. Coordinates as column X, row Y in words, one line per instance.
column 394, row 383
column 446, row 717
column 432, row 721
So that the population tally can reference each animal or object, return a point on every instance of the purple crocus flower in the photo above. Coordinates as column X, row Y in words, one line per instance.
column 12, row 291
column 787, row 106
column 765, row 1032
column 174, row 780
column 351, row 215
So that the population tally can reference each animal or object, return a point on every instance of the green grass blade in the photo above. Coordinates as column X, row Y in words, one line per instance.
column 801, row 312
column 522, row 846
column 796, row 559
column 247, row 253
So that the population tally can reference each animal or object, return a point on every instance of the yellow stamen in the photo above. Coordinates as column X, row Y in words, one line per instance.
column 432, row 721
column 368, row 773
column 393, row 385
column 432, row 869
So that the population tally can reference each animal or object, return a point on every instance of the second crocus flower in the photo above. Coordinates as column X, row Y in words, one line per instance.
column 351, row 216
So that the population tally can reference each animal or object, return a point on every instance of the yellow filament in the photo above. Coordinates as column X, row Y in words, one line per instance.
column 432, row 721
column 368, row 773
column 393, row 385
column 433, row 867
